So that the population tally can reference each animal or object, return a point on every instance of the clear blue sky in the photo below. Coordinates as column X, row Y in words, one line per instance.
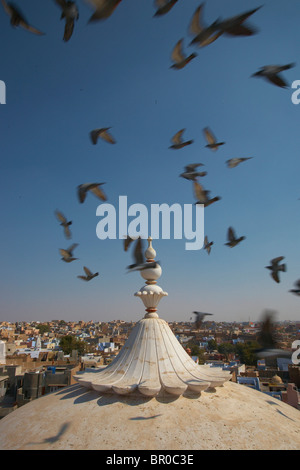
column 117, row 73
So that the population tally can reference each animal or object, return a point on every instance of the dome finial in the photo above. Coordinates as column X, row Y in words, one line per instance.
column 150, row 253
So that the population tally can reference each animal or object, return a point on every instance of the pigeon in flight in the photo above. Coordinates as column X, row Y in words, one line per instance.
column 272, row 74
column 139, row 260
column 93, row 188
column 89, row 275
column 64, row 223
column 17, row 18
column 233, row 162
column 71, row 14
column 199, row 318
column 203, row 35
column 235, row 26
column 103, row 133
column 67, row 255
column 103, row 9
column 232, row 238
column 164, row 6
column 275, row 268
column 297, row 290
column 191, row 174
column 207, row 245
column 178, row 143
column 202, row 195
column 267, row 339
column 212, row 142
column 179, row 58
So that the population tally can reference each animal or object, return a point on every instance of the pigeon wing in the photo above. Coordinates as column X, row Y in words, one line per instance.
column 177, row 138
column 98, row 192
column 209, row 136
column 87, row 271
column 177, row 54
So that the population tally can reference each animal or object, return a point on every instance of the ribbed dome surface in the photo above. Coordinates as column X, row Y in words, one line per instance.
column 152, row 360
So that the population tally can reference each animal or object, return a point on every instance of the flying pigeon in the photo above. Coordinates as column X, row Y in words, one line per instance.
column 235, row 26
column 272, row 74
column 70, row 13
column 267, row 339
column 178, row 143
column 232, row 238
column 233, row 162
column 17, row 18
column 64, row 223
column 103, row 133
column 89, row 275
column 203, row 35
column 103, row 9
column 207, row 245
column 276, row 267
column 202, row 195
column 67, row 255
column 212, row 142
column 180, row 60
column 190, row 173
column 199, row 318
column 297, row 290
column 140, row 262
column 164, row 6
column 82, row 190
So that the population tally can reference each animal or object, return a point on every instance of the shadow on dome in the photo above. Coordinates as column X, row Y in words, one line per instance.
column 130, row 400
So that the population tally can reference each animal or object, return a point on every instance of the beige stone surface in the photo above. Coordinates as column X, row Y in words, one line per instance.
column 231, row 417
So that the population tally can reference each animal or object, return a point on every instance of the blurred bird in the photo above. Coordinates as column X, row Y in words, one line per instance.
column 164, row 6
column 275, row 268
column 232, row 239
column 139, row 258
column 271, row 73
column 178, row 143
column 104, row 9
column 233, row 162
column 192, row 166
column 296, row 291
column 193, row 175
column 96, row 133
column 212, row 142
column 190, row 173
column 89, row 274
column 203, row 35
column 70, row 13
column 202, row 195
column 179, row 58
column 234, row 26
column 199, row 318
column 17, row 18
column 207, row 245
column 267, row 339
column 67, row 255
column 82, row 190
column 64, row 223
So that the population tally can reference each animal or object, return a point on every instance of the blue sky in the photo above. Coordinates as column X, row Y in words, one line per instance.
column 117, row 73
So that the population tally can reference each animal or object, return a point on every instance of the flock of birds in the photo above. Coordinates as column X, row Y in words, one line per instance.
column 202, row 36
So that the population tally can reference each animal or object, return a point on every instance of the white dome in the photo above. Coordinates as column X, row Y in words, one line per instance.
column 234, row 418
